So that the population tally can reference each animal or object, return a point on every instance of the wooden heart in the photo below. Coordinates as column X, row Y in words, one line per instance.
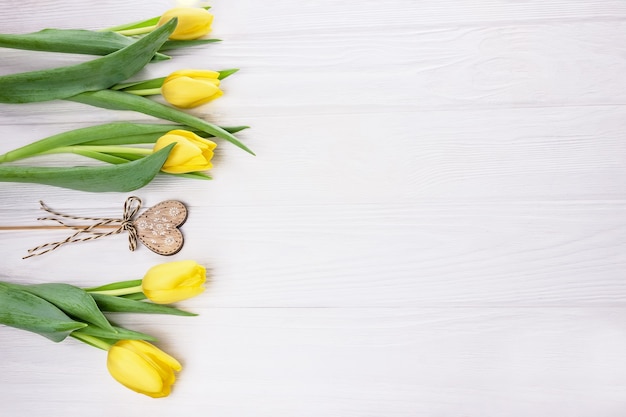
column 157, row 227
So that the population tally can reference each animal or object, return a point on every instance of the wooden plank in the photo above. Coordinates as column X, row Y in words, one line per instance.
column 433, row 225
column 486, row 155
column 404, row 69
column 349, row 362
column 483, row 254
column 318, row 15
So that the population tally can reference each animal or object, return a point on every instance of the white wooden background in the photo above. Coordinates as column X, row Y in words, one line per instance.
column 434, row 224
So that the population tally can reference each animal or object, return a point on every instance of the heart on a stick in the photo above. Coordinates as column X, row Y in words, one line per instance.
column 157, row 227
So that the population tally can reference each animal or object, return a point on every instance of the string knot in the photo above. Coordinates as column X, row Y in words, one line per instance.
column 131, row 208
column 83, row 233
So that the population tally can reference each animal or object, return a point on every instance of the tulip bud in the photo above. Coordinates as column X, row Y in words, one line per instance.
column 191, row 88
column 142, row 367
column 193, row 22
column 173, row 281
column 190, row 154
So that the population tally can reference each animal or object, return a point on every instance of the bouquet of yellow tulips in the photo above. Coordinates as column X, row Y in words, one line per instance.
column 57, row 311
column 135, row 153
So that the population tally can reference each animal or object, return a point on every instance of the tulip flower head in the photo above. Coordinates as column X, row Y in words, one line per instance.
column 173, row 281
column 191, row 88
column 142, row 367
column 190, row 154
column 193, row 22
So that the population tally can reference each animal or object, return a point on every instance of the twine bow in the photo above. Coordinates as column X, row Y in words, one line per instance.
column 131, row 208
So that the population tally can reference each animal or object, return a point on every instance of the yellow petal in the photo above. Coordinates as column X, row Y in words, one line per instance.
column 186, row 134
column 170, row 274
column 182, row 152
column 194, row 73
column 186, row 92
column 193, row 23
column 130, row 370
column 174, row 281
column 173, row 296
column 190, row 154
column 184, row 169
column 204, row 144
column 145, row 348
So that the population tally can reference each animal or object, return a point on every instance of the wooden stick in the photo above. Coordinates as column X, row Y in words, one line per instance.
column 8, row 228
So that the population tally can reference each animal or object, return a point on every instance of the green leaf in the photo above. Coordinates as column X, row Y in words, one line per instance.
column 116, row 333
column 174, row 44
column 152, row 137
column 23, row 310
column 136, row 25
column 133, row 140
column 76, row 41
column 122, row 133
column 235, row 129
column 100, row 343
column 120, row 178
column 104, row 72
column 73, row 41
column 140, row 85
column 111, row 303
column 74, row 302
column 227, row 73
column 99, row 156
column 158, row 82
column 116, row 285
column 119, row 100
column 136, row 296
column 109, row 133
column 194, row 175
column 124, row 158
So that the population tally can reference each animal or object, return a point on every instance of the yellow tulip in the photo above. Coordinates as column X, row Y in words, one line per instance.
column 191, row 88
column 193, row 22
column 173, row 281
column 142, row 367
column 190, row 154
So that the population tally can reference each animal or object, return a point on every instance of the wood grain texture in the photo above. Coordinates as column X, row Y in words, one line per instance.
column 433, row 226
column 404, row 68
column 383, row 255
column 396, row 362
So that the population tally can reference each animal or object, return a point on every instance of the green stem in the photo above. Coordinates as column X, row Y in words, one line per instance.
column 93, row 341
column 146, row 92
column 119, row 100
column 137, row 31
column 101, row 149
column 120, row 178
column 120, row 133
column 119, row 291
column 152, row 83
column 67, row 81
